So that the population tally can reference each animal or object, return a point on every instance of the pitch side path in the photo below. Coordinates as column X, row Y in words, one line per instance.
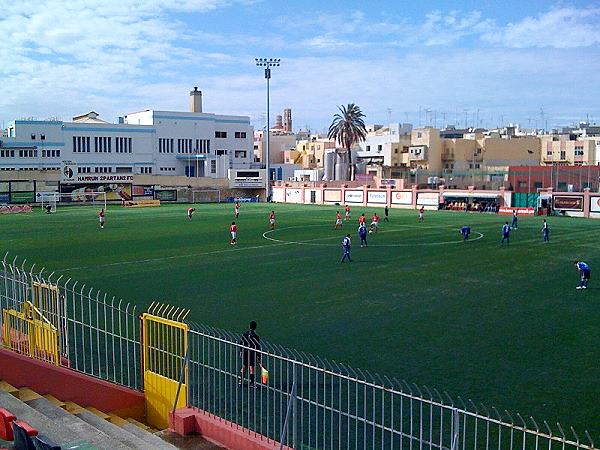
column 501, row 326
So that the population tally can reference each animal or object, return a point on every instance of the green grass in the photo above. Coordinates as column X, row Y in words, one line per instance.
column 501, row 326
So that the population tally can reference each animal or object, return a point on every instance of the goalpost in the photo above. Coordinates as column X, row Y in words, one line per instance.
column 97, row 199
column 49, row 201
column 206, row 196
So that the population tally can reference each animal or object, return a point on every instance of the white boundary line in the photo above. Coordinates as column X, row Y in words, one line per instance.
column 415, row 244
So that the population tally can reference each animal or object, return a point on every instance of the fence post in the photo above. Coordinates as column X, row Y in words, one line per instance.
column 294, row 405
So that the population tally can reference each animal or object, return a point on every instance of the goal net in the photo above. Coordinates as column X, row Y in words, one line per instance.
column 88, row 198
column 206, row 196
column 49, row 202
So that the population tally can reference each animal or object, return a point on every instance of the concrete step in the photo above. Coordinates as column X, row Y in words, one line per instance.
column 152, row 441
column 36, row 419
column 117, row 433
column 74, row 426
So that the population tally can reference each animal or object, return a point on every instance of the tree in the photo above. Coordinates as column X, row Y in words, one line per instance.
column 348, row 128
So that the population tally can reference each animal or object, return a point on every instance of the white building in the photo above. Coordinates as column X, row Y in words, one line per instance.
column 194, row 144
column 383, row 145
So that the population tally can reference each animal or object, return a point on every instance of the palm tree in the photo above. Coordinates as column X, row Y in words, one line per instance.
column 348, row 128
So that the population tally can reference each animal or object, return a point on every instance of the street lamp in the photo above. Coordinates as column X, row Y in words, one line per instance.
column 267, row 63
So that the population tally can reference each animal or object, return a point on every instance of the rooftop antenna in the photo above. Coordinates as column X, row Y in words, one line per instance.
column 466, row 111
column 389, row 111
column 542, row 117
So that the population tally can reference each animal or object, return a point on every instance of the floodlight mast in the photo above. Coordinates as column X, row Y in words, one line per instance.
column 267, row 63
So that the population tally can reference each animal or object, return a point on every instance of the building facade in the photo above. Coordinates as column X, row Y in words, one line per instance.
column 193, row 144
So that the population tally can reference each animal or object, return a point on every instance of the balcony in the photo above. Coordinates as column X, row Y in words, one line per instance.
column 447, row 156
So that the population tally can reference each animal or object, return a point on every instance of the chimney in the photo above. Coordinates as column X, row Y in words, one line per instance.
column 196, row 100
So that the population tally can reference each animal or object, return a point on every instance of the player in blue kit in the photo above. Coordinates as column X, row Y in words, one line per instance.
column 465, row 231
column 585, row 272
column 546, row 232
column 362, row 234
column 346, row 244
column 505, row 234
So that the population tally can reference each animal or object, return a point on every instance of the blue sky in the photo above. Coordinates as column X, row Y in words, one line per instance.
column 506, row 59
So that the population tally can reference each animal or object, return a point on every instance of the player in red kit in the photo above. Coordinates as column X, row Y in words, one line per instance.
column 421, row 212
column 237, row 209
column 101, row 218
column 338, row 220
column 272, row 220
column 375, row 223
column 191, row 212
column 347, row 212
column 233, row 231
column 362, row 220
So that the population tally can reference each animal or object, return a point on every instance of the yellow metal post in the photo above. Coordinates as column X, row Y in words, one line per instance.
column 164, row 346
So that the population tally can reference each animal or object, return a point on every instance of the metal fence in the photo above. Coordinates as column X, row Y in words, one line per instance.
column 306, row 403
column 98, row 335
column 309, row 403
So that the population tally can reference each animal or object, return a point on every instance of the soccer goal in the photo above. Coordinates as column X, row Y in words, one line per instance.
column 88, row 198
column 206, row 196
column 49, row 202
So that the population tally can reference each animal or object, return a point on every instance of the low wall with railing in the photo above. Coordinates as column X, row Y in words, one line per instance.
column 306, row 402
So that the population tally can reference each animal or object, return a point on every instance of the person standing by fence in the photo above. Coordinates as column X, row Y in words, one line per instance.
column 250, row 354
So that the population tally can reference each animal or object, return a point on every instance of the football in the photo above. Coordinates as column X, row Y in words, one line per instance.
column 370, row 231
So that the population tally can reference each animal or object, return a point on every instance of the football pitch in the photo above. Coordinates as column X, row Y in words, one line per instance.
column 503, row 326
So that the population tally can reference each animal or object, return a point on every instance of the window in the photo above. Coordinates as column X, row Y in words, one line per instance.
column 213, row 166
column 28, row 153
column 84, row 169
column 50, row 153
column 7, row 153
column 102, row 169
column 379, row 148
column 123, row 145
column 221, row 152
column 43, row 137
column 240, row 135
column 419, row 134
column 563, row 154
column 165, row 145
column 102, row 144
column 167, row 169
column 33, row 137
column 123, row 169
column 240, row 153
column 146, row 170
column 368, row 148
column 221, row 134
column 395, row 151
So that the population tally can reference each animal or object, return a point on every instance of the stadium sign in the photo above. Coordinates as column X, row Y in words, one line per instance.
column 402, row 197
column 568, row 202
column 68, row 172
column 292, row 195
column 100, row 178
column 354, row 197
column 377, row 197
column 332, row 195
column 428, row 199
column 595, row 204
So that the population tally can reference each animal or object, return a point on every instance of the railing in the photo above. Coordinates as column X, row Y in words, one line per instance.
column 307, row 402
column 332, row 406
column 98, row 335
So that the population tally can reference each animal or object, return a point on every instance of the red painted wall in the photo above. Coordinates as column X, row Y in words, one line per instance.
column 68, row 385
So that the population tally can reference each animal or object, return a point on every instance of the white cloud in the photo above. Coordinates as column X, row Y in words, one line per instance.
column 560, row 27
